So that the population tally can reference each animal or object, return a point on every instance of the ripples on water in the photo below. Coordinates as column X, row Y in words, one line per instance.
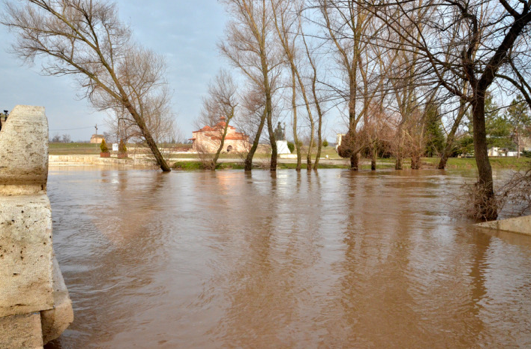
column 334, row 260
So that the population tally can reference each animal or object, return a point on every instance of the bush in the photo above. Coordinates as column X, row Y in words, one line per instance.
column 291, row 147
column 526, row 153
column 122, row 149
column 325, row 143
column 346, row 149
column 103, row 147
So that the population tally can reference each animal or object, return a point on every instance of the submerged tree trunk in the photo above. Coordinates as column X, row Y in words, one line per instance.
column 444, row 159
column 415, row 162
column 274, row 151
column 374, row 154
column 398, row 162
column 399, row 148
column 354, row 162
column 486, row 203
column 222, row 142
column 319, row 138
column 294, row 107
column 312, row 140
column 147, row 136
column 249, row 158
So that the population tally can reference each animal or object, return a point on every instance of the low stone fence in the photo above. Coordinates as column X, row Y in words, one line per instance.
column 520, row 225
column 35, row 307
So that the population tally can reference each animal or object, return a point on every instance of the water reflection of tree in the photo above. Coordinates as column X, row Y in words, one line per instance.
column 382, row 298
column 269, row 283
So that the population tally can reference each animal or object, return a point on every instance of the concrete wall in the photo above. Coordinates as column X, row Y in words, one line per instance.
column 32, row 294
column 521, row 225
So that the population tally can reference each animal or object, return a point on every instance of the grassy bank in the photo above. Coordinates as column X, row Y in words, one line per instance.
column 198, row 165
column 470, row 164
column 427, row 163
column 73, row 148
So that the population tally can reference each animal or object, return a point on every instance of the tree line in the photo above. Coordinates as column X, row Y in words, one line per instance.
column 394, row 70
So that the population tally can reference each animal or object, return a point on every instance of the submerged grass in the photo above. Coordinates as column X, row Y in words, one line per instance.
column 198, row 165
column 427, row 163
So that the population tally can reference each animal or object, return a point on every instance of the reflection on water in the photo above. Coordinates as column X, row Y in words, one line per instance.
column 329, row 260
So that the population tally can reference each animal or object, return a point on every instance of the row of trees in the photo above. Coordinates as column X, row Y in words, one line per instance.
column 65, row 138
column 392, row 68
column 395, row 70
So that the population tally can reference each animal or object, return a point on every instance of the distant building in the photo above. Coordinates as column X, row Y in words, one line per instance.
column 96, row 139
column 496, row 152
column 208, row 139
column 525, row 143
column 339, row 139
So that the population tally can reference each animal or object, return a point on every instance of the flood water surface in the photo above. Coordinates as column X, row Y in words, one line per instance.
column 329, row 260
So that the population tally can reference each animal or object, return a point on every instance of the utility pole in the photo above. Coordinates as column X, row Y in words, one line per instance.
column 96, row 127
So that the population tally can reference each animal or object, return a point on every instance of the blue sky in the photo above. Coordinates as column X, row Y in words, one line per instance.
column 185, row 32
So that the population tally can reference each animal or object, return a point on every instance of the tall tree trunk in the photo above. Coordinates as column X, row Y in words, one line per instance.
column 354, row 162
column 485, row 204
column 451, row 136
column 319, row 137
column 399, row 155
column 274, row 151
column 415, row 162
column 444, row 157
column 294, row 107
column 398, row 163
column 147, row 136
column 222, row 142
column 269, row 105
column 374, row 154
column 309, row 155
column 249, row 158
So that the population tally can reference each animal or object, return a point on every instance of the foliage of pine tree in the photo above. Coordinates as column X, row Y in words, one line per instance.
column 103, row 147
column 434, row 132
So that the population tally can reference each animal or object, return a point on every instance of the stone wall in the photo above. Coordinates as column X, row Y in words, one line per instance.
column 521, row 225
column 34, row 303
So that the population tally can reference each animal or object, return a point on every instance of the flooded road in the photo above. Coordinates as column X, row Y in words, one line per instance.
column 334, row 260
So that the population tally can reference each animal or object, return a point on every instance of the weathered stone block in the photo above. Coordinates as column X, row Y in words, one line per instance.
column 25, row 255
column 21, row 332
column 55, row 321
column 24, row 151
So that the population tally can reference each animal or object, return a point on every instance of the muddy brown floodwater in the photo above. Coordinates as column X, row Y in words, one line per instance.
column 334, row 260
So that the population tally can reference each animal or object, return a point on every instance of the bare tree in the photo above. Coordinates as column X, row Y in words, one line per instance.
column 85, row 39
column 463, row 40
column 318, row 99
column 157, row 114
column 249, row 47
column 451, row 136
column 346, row 25
column 222, row 101
column 288, row 25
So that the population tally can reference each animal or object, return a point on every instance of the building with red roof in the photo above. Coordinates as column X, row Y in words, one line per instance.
column 208, row 139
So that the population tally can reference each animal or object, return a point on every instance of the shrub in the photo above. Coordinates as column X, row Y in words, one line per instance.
column 325, row 143
column 103, row 147
column 291, row 147
column 346, row 149
column 122, row 149
column 526, row 153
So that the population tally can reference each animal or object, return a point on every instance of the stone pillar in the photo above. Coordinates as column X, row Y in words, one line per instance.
column 28, row 287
